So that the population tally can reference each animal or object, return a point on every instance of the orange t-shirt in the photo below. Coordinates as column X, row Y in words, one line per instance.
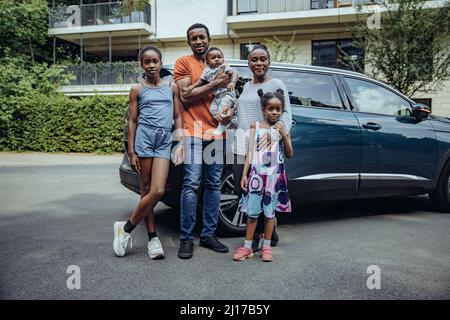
column 197, row 118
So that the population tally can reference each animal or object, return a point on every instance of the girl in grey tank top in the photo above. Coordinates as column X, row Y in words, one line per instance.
column 152, row 107
column 153, row 135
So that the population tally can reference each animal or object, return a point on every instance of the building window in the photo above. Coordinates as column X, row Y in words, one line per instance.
column 425, row 101
column 246, row 48
column 330, row 53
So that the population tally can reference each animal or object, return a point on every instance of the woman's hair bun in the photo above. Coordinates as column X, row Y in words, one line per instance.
column 260, row 92
column 280, row 91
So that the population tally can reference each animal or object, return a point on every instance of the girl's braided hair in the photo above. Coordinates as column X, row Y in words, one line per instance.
column 265, row 97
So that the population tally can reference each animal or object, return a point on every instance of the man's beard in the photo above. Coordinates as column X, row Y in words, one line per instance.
column 202, row 54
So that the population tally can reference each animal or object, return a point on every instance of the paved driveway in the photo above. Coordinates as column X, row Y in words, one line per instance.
column 58, row 211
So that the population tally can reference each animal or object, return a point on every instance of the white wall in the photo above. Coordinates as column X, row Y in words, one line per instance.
column 173, row 50
column 175, row 16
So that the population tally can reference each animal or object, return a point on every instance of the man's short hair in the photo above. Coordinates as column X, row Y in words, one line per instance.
column 197, row 26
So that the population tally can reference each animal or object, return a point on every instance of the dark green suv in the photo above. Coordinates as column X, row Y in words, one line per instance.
column 353, row 137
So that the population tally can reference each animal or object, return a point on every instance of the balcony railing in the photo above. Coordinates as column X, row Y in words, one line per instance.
column 323, row 4
column 64, row 16
column 269, row 6
column 104, row 73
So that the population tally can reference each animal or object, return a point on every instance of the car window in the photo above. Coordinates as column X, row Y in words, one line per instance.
column 310, row 89
column 373, row 98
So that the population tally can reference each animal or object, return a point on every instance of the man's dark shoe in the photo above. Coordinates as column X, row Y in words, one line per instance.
column 212, row 243
column 186, row 249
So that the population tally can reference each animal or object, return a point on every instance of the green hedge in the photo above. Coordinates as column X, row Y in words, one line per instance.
column 35, row 116
column 57, row 123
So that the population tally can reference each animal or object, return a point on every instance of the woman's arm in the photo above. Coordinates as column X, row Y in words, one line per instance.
column 248, row 158
column 286, row 116
column 132, row 126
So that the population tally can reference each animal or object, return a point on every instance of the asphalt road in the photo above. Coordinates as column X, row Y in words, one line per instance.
column 58, row 213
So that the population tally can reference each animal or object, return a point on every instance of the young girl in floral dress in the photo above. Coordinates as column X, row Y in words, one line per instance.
column 266, row 185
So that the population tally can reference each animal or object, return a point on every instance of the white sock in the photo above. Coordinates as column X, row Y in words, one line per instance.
column 248, row 244
column 266, row 243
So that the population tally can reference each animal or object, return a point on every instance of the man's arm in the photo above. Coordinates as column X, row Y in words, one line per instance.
column 189, row 97
column 197, row 84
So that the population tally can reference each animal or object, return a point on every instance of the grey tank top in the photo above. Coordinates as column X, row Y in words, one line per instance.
column 156, row 106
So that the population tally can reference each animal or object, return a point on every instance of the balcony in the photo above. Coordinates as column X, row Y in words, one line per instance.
column 272, row 6
column 104, row 78
column 68, row 21
column 251, row 17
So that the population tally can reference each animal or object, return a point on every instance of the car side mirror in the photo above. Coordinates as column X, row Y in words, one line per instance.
column 420, row 111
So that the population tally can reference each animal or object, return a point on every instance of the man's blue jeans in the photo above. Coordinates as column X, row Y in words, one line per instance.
column 203, row 161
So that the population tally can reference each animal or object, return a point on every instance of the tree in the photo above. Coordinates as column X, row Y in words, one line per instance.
column 23, row 27
column 282, row 51
column 405, row 45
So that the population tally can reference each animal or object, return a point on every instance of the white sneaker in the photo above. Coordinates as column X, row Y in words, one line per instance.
column 219, row 130
column 155, row 250
column 121, row 239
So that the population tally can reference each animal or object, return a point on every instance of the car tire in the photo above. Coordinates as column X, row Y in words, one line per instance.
column 231, row 221
column 440, row 197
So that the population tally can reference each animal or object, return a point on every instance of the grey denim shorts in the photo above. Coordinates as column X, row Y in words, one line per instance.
column 153, row 142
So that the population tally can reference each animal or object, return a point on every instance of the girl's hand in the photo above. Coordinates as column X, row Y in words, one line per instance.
column 244, row 183
column 178, row 155
column 280, row 128
column 231, row 86
column 135, row 163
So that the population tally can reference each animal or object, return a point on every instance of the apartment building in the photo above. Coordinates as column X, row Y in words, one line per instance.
column 111, row 34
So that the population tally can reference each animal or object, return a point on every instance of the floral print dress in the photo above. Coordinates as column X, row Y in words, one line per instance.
column 267, row 182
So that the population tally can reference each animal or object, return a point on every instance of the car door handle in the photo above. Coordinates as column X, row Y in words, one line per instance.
column 372, row 126
column 294, row 122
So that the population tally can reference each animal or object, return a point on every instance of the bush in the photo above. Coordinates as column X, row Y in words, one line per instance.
column 34, row 116
column 62, row 124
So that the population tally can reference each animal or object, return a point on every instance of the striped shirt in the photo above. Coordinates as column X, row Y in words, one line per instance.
column 248, row 110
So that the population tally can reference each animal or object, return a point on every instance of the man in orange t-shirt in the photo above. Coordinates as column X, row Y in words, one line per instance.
column 203, row 150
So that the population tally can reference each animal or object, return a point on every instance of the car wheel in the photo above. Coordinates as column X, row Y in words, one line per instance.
column 231, row 221
column 440, row 197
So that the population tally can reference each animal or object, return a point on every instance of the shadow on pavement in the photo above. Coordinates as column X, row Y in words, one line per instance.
column 328, row 211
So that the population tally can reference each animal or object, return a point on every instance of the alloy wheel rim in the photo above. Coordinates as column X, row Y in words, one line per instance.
column 448, row 187
column 229, row 203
